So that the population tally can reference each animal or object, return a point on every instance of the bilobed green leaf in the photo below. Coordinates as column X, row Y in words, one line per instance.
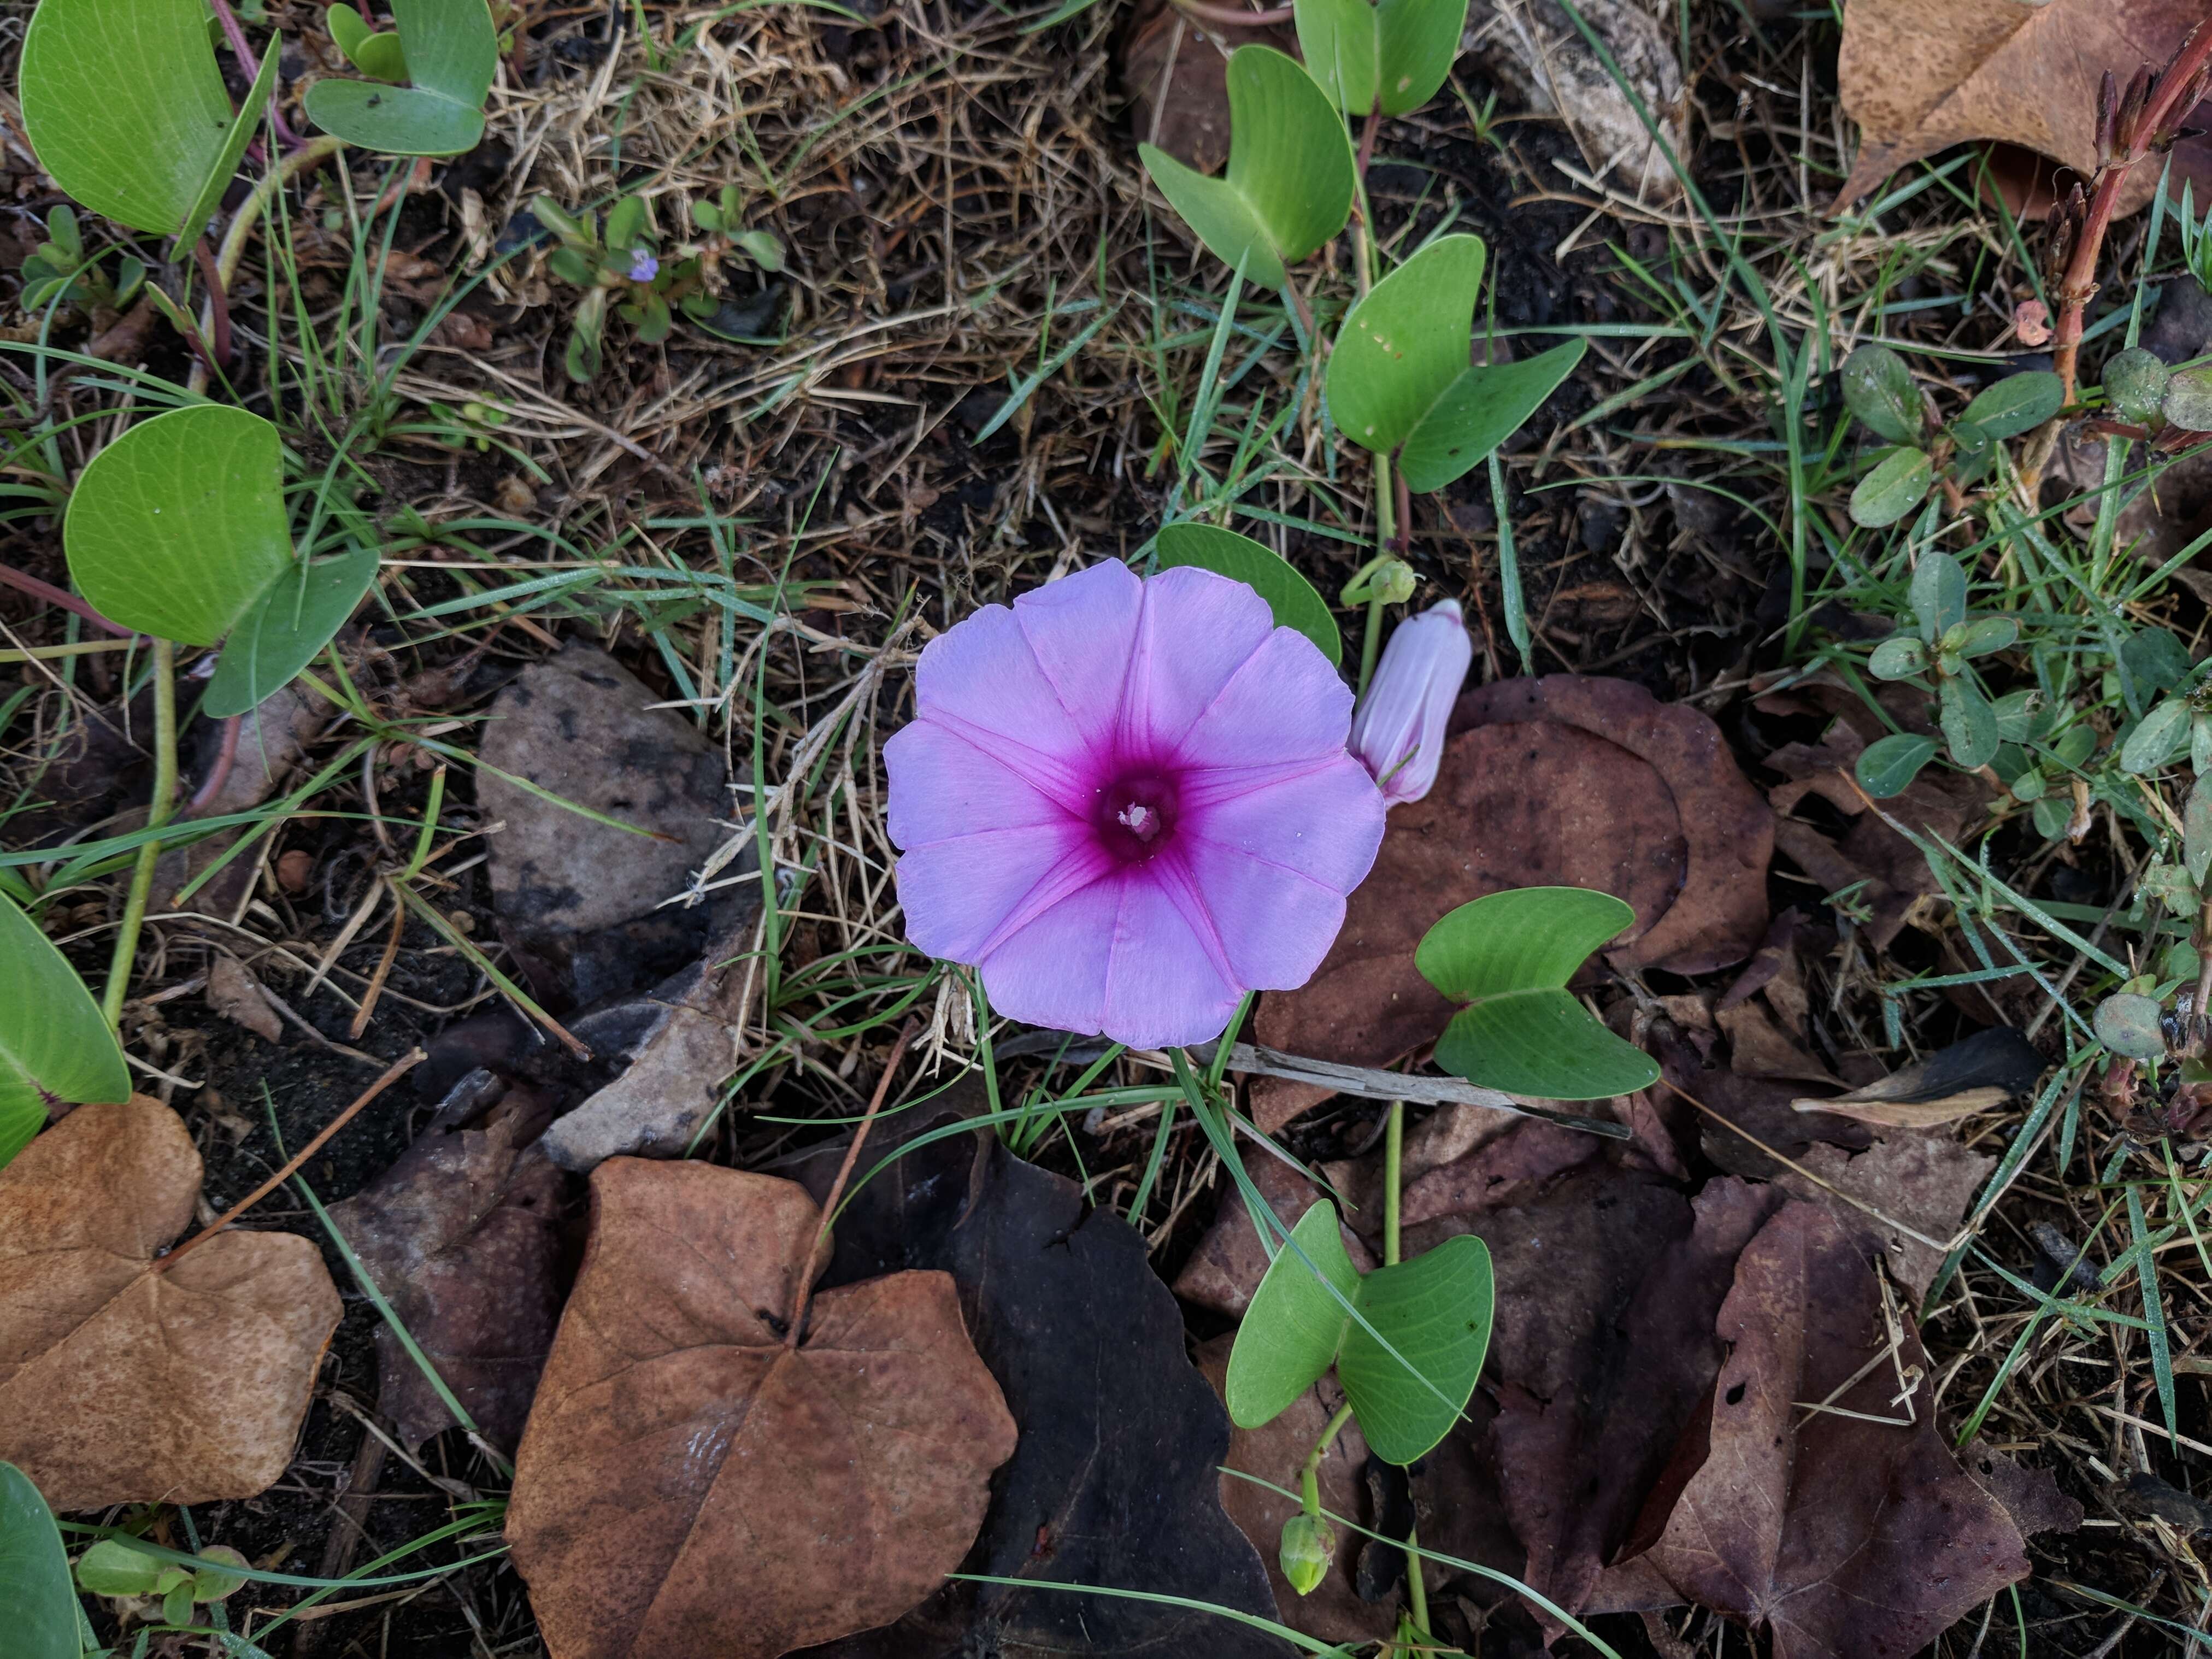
column 1889, row 765
column 2017, row 403
column 1435, row 1311
column 1878, row 388
column 1289, row 595
column 178, row 528
column 1509, row 957
column 1395, row 53
column 280, row 635
column 377, row 54
column 1894, row 489
column 2158, row 739
column 1939, row 594
column 1288, row 185
column 1292, row 1328
column 451, row 52
column 41, row 1603
column 1969, row 724
column 54, row 1046
column 124, row 103
column 1478, row 411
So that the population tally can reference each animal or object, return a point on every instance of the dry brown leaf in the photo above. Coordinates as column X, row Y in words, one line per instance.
column 236, row 994
column 1920, row 75
column 690, row 1487
column 124, row 1382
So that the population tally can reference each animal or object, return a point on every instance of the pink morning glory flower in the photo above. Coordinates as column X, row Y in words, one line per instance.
column 1398, row 730
column 1128, row 802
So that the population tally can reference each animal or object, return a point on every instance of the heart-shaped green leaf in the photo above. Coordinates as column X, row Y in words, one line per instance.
column 1509, row 957
column 1400, row 376
column 1394, row 54
column 379, row 56
column 126, row 109
column 1288, row 594
column 2017, row 403
column 54, row 1046
column 1889, row 765
column 451, row 51
column 34, row 1574
column 178, row 528
column 282, row 632
column 1894, row 489
column 1288, row 185
column 1434, row 1311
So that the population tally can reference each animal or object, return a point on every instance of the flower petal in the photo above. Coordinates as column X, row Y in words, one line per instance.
column 1324, row 823
column 1169, row 984
column 981, row 679
column 1274, row 924
column 1053, row 972
column 1082, row 630
column 944, row 785
column 957, row 894
column 1284, row 703
column 1197, row 630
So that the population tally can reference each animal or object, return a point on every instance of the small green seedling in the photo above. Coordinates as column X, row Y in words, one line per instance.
column 58, row 272
column 1291, row 178
column 1946, row 642
column 1879, row 389
column 126, row 107
column 113, row 1568
column 1400, row 381
column 41, row 1605
column 1392, row 56
column 448, row 50
column 1289, row 595
column 179, row 529
column 619, row 266
column 55, row 1048
column 1508, row 957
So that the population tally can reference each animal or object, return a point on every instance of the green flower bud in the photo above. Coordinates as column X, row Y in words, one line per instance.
column 1309, row 1546
column 2135, row 384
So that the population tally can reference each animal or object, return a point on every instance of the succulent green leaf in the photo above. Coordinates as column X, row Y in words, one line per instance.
column 112, row 1567
column 1898, row 657
column 2017, row 403
column 2155, row 659
column 380, row 56
column 1478, row 411
column 1888, row 766
column 2188, row 400
column 626, row 223
column 1939, row 594
column 34, row 1574
column 2019, row 720
column 2135, row 384
column 178, row 527
column 1878, row 388
column 123, row 104
column 1986, row 635
column 1288, row 185
column 1292, row 1328
column 451, row 51
column 1394, row 54
column 2050, row 816
column 54, row 1045
column 2127, row 1023
column 2157, row 738
column 1970, row 725
column 1289, row 595
column 1509, row 957
column 294, row 618
column 215, row 1581
column 1897, row 484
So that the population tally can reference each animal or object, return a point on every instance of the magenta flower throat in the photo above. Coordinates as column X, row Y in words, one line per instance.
column 1128, row 802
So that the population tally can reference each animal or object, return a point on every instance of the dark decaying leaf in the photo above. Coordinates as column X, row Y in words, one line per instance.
column 460, row 1237
column 1566, row 780
column 1977, row 1073
column 1845, row 1536
column 1334, row 1609
column 1174, row 70
column 1115, row 1481
column 691, row 1486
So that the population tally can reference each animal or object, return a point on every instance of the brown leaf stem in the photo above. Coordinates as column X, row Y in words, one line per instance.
column 817, row 1252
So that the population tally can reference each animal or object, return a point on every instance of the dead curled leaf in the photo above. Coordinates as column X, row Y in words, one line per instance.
column 1920, row 75
column 680, row 1448
column 460, row 1237
column 1573, row 779
column 124, row 1382
column 1843, row 1535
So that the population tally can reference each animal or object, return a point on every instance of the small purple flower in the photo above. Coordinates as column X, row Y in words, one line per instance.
column 1398, row 730
column 643, row 267
column 1128, row 802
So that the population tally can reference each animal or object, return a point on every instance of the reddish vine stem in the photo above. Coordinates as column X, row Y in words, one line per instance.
column 816, row 1255
column 219, row 774
column 218, row 303
column 247, row 64
column 2132, row 126
column 11, row 577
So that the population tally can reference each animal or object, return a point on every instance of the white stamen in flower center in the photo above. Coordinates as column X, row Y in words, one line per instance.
column 1139, row 820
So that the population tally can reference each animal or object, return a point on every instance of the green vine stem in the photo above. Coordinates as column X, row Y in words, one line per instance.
column 1309, row 1471
column 164, row 803
column 1393, row 1153
column 311, row 153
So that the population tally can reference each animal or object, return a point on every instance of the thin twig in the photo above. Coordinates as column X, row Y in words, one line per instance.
column 11, row 577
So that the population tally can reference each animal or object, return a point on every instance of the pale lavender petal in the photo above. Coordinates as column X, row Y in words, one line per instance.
column 1284, row 703
column 981, row 679
column 957, row 894
column 1324, row 823
column 943, row 786
column 1053, row 972
column 1275, row 924
column 1082, row 630
column 1196, row 631
column 1171, row 983
column 1398, row 731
